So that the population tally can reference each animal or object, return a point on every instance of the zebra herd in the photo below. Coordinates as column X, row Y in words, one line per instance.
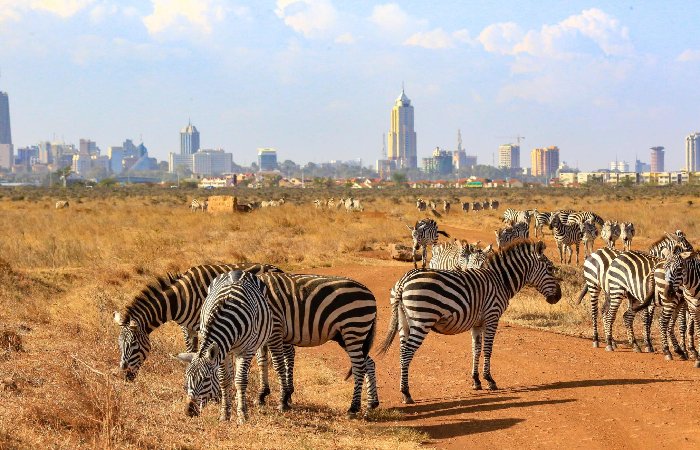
column 350, row 204
column 422, row 205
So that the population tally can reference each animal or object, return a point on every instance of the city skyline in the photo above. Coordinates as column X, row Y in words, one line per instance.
column 592, row 78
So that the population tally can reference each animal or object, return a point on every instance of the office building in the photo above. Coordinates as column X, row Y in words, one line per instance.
column 619, row 166
column 88, row 147
column 267, row 159
column 81, row 164
column 545, row 162
column 5, row 130
column 509, row 156
column 7, row 156
column 116, row 159
column 657, row 159
column 386, row 167
column 692, row 146
column 401, row 141
column 641, row 167
column 189, row 140
column 179, row 163
column 439, row 164
column 212, row 162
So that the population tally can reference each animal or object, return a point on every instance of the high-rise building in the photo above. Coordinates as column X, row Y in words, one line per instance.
column 88, row 147
column 641, row 167
column 657, row 159
column 692, row 147
column 619, row 166
column 212, row 162
column 545, row 161
column 402, row 135
column 267, row 159
column 116, row 159
column 440, row 163
column 509, row 156
column 7, row 156
column 189, row 140
column 5, row 131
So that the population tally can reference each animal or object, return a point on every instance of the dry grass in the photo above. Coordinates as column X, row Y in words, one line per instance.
column 63, row 272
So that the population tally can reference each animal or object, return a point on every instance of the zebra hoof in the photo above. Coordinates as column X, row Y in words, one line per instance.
column 668, row 357
column 242, row 419
column 693, row 355
column 284, row 407
column 407, row 400
column 373, row 405
column 596, row 344
column 683, row 357
column 262, row 396
column 492, row 386
column 636, row 349
column 224, row 417
column 609, row 348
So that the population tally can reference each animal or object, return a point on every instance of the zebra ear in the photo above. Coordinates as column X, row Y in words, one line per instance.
column 488, row 248
column 117, row 318
column 686, row 255
column 185, row 357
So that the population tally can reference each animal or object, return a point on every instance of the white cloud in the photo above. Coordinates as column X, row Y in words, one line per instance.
column 500, row 37
column 311, row 18
column 437, row 39
column 14, row 9
column 689, row 55
column 390, row 17
column 184, row 16
column 345, row 38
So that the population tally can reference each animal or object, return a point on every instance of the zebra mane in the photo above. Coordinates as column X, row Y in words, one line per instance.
column 160, row 284
column 661, row 240
column 525, row 245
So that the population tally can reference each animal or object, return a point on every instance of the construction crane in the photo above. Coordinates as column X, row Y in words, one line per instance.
column 518, row 138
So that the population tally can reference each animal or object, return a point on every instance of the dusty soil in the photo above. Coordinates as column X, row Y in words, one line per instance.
column 555, row 390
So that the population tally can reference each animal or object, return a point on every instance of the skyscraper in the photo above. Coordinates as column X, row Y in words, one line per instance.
column 189, row 140
column 692, row 145
column 509, row 156
column 402, row 135
column 267, row 159
column 5, row 133
column 657, row 159
column 545, row 161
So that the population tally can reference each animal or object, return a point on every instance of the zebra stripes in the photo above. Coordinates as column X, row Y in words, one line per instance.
column 452, row 302
column 626, row 234
column 515, row 216
column 541, row 219
column 446, row 206
column 424, row 233
column 609, row 233
column 511, row 233
column 198, row 205
column 589, row 233
column 236, row 321
column 421, row 205
column 176, row 297
column 579, row 217
column 458, row 256
column 566, row 235
column 62, row 204
column 595, row 268
column 670, row 244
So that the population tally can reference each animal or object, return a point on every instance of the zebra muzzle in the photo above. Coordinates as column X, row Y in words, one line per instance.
column 192, row 408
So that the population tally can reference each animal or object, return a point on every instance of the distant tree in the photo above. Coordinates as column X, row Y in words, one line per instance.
column 399, row 177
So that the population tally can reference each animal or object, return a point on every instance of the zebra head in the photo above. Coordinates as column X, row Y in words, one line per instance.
column 202, row 383
column 477, row 258
column 683, row 241
column 134, row 345
column 541, row 274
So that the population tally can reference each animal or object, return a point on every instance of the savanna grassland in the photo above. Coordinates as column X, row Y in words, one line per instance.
column 64, row 272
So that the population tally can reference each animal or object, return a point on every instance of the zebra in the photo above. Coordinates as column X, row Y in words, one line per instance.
column 330, row 203
column 476, row 206
column 565, row 235
column 236, row 320
column 465, row 207
column 541, row 219
column 452, row 302
column 581, row 216
column 62, row 204
column 458, row 256
column 512, row 215
column 589, row 234
column 432, row 205
column 609, row 233
column 424, row 233
column 446, row 206
column 310, row 310
column 626, row 234
column 198, row 205
column 319, row 203
column 421, row 205
column 671, row 243
column 519, row 230
column 352, row 204
column 485, row 205
column 494, row 204
column 174, row 297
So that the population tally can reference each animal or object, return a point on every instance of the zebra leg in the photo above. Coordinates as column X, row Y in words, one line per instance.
column 354, row 351
column 413, row 255
column 648, row 317
column 289, row 354
column 476, row 355
column 594, row 293
column 242, row 369
column 409, row 346
column 628, row 318
column 191, row 339
column 578, row 244
column 664, row 321
column 682, row 355
column 371, row 380
column 489, row 336
column 274, row 343
column 425, row 255
column 261, row 356
column 614, row 304
column 225, row 375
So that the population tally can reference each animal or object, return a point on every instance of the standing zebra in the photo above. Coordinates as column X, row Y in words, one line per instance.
column 318, row 203
column 62, row 204
column 176, row 297
column 424, row 233
column 465, row 207
column 512, row 215
column 589, row 232
column 446, row 206
column 235, row 320
column 609, row 233
column 310, row 310
column 198, row 205
column 458, row 256
column 519, row 230
column 476, row 206
column 494, row 204
column 452, row 302
column 541, row 219
column 582, row 216
column 626, row 234
column 421, row 205
column 486, row 205
column 565, row 235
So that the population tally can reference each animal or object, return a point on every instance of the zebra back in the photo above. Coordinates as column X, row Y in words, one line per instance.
column 669, row 244
column 630, row 273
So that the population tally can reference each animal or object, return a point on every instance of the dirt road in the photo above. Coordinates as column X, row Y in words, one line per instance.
column 555, row 391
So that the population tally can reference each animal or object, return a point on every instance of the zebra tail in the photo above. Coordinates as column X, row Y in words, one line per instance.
column 583, row 293
column 396, row 311
column 443, row 233
column 367, row 345
column 650, row 295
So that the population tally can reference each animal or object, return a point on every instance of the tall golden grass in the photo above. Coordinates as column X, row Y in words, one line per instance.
column 63, row 272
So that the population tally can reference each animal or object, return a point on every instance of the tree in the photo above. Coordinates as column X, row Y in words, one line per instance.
column 399, row 177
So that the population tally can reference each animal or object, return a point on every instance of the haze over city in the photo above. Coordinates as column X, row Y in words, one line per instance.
column 316, row 79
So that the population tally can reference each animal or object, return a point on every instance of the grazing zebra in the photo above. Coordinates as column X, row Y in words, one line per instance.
column 626, row 234
column 198, row 205
column 630, row 276
column 519, row 230
column 432, row 204
column 512, row 215
column 458, row 256
column 176, row 297
column 581, row 216
column 485, row 205
column 565, row 235
column 330, row 203
column 62, row 204
column 236, row 320
column 446, row 206
column 609, row 233
column 352, row 204
column 424, row 233
column 421, row 205
column 452, row 302
column 541, row 219
column 465, row 207
column 319, row 203
column 589, row 233
column 494, row 204
column 310, row 310
column 476, row 206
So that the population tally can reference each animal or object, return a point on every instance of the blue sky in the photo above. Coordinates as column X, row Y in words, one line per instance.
column 317, row 78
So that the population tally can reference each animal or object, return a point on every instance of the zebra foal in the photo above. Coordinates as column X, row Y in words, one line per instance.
column 424, row 233
column 566, row 235
column 511, row 233
column 453, row 302
column 235, row 322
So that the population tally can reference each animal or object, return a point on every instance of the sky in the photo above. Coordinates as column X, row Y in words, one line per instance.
column 316, row 79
